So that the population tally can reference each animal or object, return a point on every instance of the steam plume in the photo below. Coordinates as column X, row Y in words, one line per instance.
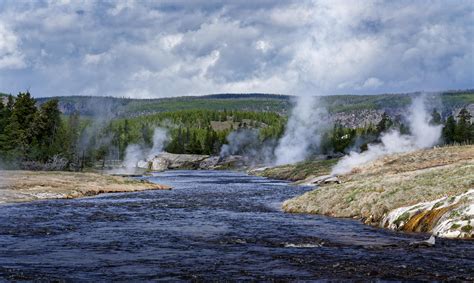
column 303, row 131
column 134, row 154
column 423, row 135
column 238, row 141
column 246, row 142
column 160, row 137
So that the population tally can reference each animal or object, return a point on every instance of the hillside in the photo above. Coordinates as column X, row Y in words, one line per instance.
column 424, row 191
column 127, row 107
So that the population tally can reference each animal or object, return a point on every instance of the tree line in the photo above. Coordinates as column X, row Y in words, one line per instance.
column 32, row 135
column 456, row 129
column 36, row 136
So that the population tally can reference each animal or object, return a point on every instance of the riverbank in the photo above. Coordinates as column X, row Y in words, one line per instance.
column 23, row 186
column 297, row 172
column 428, row 191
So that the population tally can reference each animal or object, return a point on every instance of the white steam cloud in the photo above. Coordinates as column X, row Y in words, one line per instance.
column 303, row 131
column 238, row 141
column 247, row 143
column 135, row 154
column 423, row 135
column 160, row 137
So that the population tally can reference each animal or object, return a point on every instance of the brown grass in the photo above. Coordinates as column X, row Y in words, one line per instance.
column 391, row 182
column 19, row 186
column 299, row 171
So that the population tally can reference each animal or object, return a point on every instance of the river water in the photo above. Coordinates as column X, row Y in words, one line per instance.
column 214, row 225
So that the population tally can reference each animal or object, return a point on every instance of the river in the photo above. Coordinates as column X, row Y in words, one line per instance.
column 213, row 225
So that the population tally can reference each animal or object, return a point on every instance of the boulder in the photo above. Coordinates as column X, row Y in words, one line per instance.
column 325, row 179
column 164, row 161
column 209, row 163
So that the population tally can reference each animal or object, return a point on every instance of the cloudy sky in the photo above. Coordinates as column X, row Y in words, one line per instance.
column 184, row 47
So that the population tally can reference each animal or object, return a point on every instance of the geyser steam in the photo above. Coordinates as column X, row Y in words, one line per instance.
column 303, row 131
column 423, row 135
column 136, row 153
column 160, row 137
column 246, row 142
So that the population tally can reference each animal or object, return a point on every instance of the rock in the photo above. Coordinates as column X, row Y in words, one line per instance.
column 234, row 161
column 426, row 243
column 164, row 161
column 332, row 180
column 325, row 179
column 447, row 217
column 209, row 163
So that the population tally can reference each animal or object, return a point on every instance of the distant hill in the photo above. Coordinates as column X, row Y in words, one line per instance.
column 350, row 110
column 250, row 101
column 124, row 107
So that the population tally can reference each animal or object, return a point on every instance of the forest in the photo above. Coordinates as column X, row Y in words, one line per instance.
column 40, row 137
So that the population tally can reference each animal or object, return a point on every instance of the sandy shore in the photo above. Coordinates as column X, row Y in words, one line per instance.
column 22, row 186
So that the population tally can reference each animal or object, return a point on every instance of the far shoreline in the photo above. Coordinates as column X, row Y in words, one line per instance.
column 18, row 186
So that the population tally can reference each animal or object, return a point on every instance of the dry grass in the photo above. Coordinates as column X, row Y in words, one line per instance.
column 19, row 186
column 391, row 182
column 299, row 171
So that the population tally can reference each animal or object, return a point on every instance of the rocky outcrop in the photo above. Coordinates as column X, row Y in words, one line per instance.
column 450, row 217
column 169, row 161
column 165, row 161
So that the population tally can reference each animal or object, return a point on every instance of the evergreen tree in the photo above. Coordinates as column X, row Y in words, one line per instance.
column 463, row 132
column 449, row 130
column 73, row 134
column 46, row 131
column 19, row 133
column 435, row 118
column 384, row 124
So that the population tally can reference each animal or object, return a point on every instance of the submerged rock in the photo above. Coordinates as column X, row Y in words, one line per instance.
column 426, row 243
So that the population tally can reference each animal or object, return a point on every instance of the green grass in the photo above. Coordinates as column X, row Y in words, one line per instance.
column 467, row 228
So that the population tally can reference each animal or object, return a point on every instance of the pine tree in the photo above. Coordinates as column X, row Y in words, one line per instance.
column 19, row 133
column 449, row 130
column 73, row 134
column 45, row 131
column 384, row 124
column 463, row 132
column 435, row 118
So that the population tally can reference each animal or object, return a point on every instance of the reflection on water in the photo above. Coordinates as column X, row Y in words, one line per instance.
column 213, row 225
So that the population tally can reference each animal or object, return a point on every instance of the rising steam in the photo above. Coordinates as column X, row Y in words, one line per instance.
column 238, row 141
column 423, row 135
column 303, row 131
column 136, row 154
column 246, row 142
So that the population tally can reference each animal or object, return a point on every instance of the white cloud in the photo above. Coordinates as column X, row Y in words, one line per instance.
column 170, row 48
column 372, row 83
column 10, row 55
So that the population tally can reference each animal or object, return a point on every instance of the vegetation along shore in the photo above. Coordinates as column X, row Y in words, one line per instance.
column 429, row 191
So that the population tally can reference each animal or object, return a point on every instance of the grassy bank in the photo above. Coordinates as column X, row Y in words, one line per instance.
column 21, row 186
column 370, row 192
column 299, row 171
